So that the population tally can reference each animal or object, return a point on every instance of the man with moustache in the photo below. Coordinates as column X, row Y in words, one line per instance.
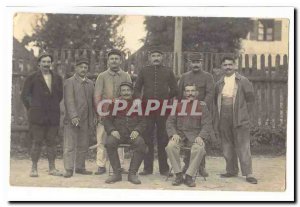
column 189, row 129
column 158, row 82
column 235, row 99
column 107, row 87
column 204, row 83
column 41, row 95
column 79, row 119
column 125, row 127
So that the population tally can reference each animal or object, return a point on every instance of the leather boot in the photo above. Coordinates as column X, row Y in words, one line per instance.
column 202, row 170
column 68, row 173
column 114, row 178
column 189, row 181
column 52, row 170
column 178, row 179
column 135, row 163
column 34, row 172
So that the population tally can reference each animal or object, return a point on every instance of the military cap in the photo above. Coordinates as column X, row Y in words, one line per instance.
column 126, row 84
column 195, row 56
column 153, row 49
column 114, row 52
column 44, row 54
column 82, row 60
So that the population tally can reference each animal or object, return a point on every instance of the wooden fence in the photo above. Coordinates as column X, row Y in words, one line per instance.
column 268, row 75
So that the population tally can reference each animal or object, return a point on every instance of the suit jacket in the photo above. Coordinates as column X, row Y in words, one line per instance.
column 78, row 99
column 243, row 100
column 189, row 127
column 41, row 103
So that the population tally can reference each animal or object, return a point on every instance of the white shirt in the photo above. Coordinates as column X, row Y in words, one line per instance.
column 48, row 80
column 229, row 86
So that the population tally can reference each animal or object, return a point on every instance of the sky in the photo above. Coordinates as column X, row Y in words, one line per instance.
column 132, row 28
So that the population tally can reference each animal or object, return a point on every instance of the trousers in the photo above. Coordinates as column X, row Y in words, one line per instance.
column 101, row 157
column 39, row 134
column 76, row 143
column 196, row 156
column 235, row 143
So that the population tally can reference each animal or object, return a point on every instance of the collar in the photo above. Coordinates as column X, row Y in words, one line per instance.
column 81, row 80
column 237, row 77
column 113, row 72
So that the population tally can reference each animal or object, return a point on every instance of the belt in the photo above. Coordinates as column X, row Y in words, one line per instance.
column 227, row 100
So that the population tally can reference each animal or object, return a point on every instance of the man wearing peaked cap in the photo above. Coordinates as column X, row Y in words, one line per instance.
column 156, row 81
column 82, row 60
column 114, row 52
column 205, row 85
column 154, row 49
column 79, row 119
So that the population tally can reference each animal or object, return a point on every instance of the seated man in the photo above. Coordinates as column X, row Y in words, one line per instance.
column 188, row 129
column 124, row 128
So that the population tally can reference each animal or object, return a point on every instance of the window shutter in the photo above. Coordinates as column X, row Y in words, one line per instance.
column 254, row 32
column 277, row 30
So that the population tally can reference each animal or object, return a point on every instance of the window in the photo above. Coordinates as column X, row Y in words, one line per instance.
column 265, row 30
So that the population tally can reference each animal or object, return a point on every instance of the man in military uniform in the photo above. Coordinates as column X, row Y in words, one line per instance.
column 79, row 119
column 188, row 130
column 41, row 95
column 204, row 83
column 125, row 128
column 157, row 82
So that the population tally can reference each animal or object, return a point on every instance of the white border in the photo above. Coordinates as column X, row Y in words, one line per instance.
column 25, row 193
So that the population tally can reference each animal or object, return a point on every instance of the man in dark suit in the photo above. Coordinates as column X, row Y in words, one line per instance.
column 41, row 95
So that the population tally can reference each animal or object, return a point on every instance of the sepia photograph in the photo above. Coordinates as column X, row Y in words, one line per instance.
column 150, row 102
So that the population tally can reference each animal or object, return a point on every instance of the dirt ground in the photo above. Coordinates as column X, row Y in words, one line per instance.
column 270, row 172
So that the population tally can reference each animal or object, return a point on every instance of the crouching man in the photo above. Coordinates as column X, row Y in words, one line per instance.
column 125, row 127
column 188, row 127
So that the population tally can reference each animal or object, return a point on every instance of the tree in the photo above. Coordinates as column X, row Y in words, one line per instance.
column 205, row 34
column 73, row 31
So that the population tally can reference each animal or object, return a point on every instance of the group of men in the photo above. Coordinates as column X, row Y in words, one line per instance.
column 226, row 105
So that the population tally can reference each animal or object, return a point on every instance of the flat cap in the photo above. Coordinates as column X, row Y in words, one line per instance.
column 126, row 84
column 114, row 52
column 153, row 49
column 81, row 60
column 195, row 56
column 44, row 54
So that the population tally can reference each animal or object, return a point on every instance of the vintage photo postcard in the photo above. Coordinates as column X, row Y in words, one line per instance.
column 177, row 102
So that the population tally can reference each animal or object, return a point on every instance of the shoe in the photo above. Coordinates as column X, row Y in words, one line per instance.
column 189, row 181
column 251, row 180
column 203, row 173
column 114, row 178
column 228, row 175
column 83, row 172
column 145, row 173
column 68, row 174
column 100, row 171
column 34, row 173
column 167, row 174
column 178, row 180
column 123, row 171
column 134, row 179
column 55, row 172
